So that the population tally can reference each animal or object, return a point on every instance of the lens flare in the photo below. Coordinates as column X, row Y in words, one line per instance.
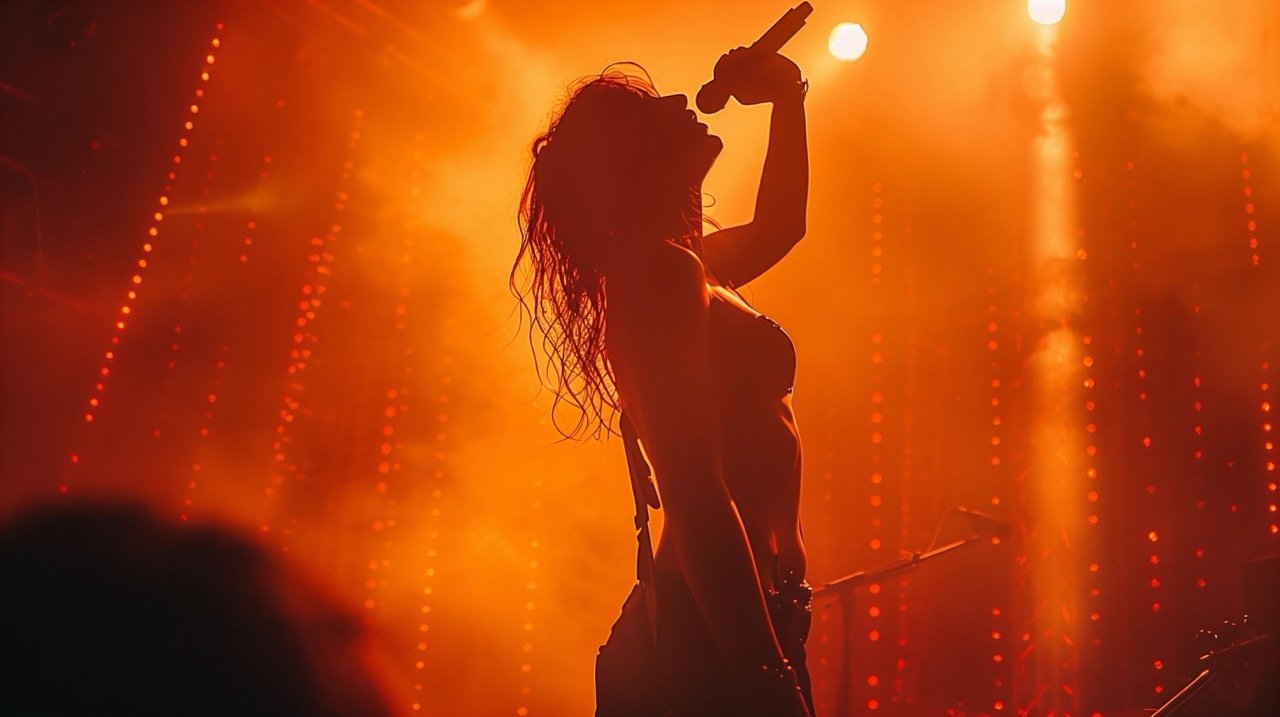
column 1046, row 12
column 848, row 41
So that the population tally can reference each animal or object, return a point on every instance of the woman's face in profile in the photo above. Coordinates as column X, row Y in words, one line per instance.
column 628, row 148
column 672, row 133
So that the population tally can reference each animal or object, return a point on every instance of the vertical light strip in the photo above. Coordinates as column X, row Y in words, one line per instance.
column 1250, row 222
column 820, row 634
column 901, row 691
column 396, row 404
column 127, row 308
column 1266, row 378
column 195, row 246
column 320, row 259
column 431, row 553
column 1057, row 443
column 1197, row 455
column 999, row 619
column 1151, row 510
column 385, row 469
column 202, row 438
column 198, row 465
column 875, row 603
column 530, row 605
column 439, row 409
column 826, row 681
column 1093, row 487
column 1266, row 404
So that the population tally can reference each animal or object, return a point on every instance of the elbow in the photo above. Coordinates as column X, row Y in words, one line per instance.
column 800, row 230
column 790, row 227
column 792, row 234
column 781, row 231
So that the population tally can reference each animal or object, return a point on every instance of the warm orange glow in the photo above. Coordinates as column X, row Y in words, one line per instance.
column 980, row 346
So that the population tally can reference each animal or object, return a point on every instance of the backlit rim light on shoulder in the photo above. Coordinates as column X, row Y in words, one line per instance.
column 848, row 41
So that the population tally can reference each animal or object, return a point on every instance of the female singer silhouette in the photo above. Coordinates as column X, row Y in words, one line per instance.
column 639, row 313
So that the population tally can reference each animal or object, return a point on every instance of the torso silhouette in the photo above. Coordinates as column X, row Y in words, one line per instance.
column 753, row 366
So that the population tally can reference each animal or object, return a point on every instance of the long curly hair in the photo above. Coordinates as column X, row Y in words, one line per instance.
column 578, row 198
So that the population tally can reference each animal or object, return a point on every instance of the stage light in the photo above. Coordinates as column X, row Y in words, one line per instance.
column 1046, row 12
column 848, row 41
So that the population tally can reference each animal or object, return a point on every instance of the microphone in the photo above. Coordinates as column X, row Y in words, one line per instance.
column 715, row 94
column 986, row 525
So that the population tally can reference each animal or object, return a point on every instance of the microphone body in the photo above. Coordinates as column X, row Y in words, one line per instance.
column 985, row 524
column 715, row 94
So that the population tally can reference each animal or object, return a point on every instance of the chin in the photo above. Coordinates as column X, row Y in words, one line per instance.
column 714, row 144
column 708, row 150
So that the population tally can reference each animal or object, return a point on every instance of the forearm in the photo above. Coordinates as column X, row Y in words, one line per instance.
column 783, row 197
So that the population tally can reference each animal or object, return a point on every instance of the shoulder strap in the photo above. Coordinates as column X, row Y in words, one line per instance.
column 645, row 495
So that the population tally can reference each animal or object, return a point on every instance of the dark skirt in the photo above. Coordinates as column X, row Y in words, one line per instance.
column 684, row 675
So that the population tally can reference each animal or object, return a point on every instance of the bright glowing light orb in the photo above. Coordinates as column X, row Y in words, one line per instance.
column 848, row 41
column 1046, row 12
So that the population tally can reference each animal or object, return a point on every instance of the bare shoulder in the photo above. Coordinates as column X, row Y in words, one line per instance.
column 663, row 282
column 656, row 340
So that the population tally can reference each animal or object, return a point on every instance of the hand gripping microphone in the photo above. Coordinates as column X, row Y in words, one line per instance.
column 715, row 94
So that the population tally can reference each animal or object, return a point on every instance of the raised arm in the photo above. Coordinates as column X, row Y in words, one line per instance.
column 659, row 352
column 736, row 255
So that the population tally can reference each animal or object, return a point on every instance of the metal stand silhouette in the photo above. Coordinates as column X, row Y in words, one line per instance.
column 842, row 589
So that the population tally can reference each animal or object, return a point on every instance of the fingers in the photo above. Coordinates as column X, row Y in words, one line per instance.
column 757, row 76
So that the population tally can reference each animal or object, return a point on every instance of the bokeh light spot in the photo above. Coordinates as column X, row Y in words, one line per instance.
column 848, row 41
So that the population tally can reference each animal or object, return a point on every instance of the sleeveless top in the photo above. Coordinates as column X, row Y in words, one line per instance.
column 754, row 358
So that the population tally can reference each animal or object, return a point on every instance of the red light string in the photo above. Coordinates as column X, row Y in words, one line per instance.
column 875, row 687
column 437, row 464
column 998, row 623
column 1266, row 378
column 133, row 292
column 1152, row 508
column 320, row 261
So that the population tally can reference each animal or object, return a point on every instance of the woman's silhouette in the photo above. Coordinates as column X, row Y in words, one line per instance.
column 639, row 313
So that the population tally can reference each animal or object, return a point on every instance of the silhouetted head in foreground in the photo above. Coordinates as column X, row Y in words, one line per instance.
column 107, row 610
column 619, row 166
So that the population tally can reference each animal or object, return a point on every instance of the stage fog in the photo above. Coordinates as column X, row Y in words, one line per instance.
column 255, row 273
